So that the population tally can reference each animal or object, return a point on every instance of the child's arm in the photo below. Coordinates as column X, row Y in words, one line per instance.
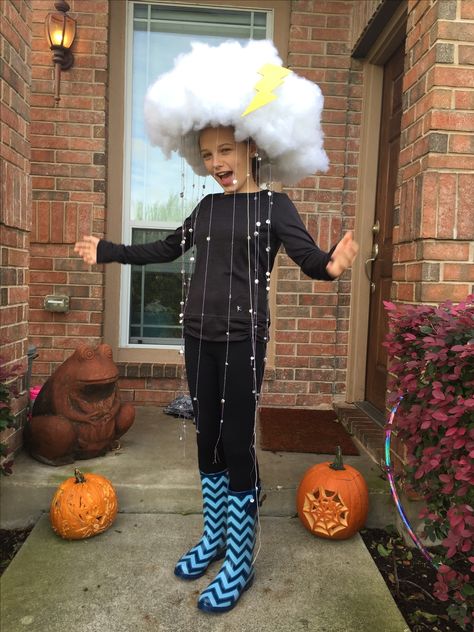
column 300, row 245
column 94, row 250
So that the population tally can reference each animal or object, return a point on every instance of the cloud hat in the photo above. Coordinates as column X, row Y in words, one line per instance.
column 213, row 85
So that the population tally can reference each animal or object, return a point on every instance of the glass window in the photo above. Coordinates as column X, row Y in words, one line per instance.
column 161, row 193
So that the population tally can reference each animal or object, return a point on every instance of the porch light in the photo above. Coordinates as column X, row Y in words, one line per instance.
column 60, row 34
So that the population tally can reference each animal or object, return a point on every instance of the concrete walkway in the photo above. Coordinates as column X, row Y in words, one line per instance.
column 123, row 581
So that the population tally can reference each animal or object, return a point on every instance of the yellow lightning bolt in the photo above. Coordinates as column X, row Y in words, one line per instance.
column 272, row 77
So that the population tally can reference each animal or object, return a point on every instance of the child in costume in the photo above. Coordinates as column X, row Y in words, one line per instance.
column 237, row 235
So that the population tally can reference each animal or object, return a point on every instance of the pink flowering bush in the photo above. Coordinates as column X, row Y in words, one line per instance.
column 431, row 351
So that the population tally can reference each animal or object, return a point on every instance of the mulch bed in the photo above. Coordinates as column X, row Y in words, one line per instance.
column 10, row 543
column 411, row 585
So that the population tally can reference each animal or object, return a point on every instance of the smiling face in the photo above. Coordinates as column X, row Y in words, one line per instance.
column 227, row 161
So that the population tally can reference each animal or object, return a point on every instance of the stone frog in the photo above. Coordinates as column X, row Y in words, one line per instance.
column 78, row 413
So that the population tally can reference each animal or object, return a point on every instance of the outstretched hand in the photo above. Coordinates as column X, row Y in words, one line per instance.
column 87, row 248
column 343, row 255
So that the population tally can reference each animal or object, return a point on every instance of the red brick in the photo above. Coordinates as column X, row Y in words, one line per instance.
column 42, row 182
column 18, row 258
column 461, row 144
column 458, row 272
column 47, row 277
column 51, row 355
column 281, row 386
column 466, row 55
column 42, row 155
column 467, row 10
column 446, row 161
column 295, row 60
column 75, row 157
column 440, row 292
column 301, row 46
column 404, row 292
column 453, row 77
column 456, row 30
column 465, row 217
column 53, row 329
column 308, row 19
column 463, row 121
column 270, row 399
column 447, row 193
column 87, row 331
column 314, row 401
column 299, row 33
column 324, row 324
column 74, row 184
column 73, row 130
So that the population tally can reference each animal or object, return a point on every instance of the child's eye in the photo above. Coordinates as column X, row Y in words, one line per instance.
column 205, row 156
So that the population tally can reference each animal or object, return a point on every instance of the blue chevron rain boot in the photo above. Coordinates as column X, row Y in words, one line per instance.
column 212, row 544
column 237, row 573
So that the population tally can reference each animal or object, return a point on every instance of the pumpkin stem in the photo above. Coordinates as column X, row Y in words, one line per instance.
column 80, row 478
column 338, row 463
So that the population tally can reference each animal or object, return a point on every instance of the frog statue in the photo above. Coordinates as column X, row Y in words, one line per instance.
column 78, row 413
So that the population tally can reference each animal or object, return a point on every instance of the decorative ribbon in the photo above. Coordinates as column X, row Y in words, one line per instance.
column 391, row 480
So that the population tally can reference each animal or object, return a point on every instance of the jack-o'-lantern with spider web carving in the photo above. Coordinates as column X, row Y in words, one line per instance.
column 332, row 499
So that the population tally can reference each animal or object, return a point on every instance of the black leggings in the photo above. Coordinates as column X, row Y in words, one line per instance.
column 229, row 444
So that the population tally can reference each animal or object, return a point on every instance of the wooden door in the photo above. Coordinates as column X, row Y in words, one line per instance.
column 380, row 269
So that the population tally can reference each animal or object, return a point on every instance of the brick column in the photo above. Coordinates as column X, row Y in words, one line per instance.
column 68, row 178
column 433, row 251
column 312, row 316
column 15, row 203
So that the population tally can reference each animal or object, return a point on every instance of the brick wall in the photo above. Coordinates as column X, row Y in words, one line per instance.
column 68, row 167
column 312, row 316
column 433, row 232
column 434, row 249
column 15, row 201
column 433, row 236
column 68, row 157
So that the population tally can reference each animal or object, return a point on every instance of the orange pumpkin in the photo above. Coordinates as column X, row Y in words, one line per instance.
column 83, row 505
column 333, row 499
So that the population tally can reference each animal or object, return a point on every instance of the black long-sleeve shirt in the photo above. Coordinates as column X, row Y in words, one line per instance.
column 237, row 238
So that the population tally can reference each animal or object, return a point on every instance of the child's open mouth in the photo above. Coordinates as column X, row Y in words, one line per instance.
column 226, row 178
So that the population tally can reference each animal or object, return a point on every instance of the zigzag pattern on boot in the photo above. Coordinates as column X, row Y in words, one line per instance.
column 212, row 544
column 236, row 574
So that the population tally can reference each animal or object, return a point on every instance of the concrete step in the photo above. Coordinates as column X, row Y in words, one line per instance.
column 122, row 580
column 369, row 434
column 155, row 471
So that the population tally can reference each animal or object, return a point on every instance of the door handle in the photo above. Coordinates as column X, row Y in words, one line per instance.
column 370, row 260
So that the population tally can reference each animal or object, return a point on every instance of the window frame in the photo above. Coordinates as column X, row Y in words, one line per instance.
column 117, row 278
column 128, row 224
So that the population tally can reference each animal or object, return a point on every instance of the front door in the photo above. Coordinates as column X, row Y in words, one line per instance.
column 380, row 268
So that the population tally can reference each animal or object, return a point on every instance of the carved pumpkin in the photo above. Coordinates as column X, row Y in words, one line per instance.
column 333, row 499
column 83, row 505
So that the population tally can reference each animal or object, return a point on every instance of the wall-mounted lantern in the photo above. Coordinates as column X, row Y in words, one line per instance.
column 60, row 33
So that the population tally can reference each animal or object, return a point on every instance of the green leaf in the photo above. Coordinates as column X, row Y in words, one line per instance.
column 426, row 329
column 382, row 550
column 427, row 615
